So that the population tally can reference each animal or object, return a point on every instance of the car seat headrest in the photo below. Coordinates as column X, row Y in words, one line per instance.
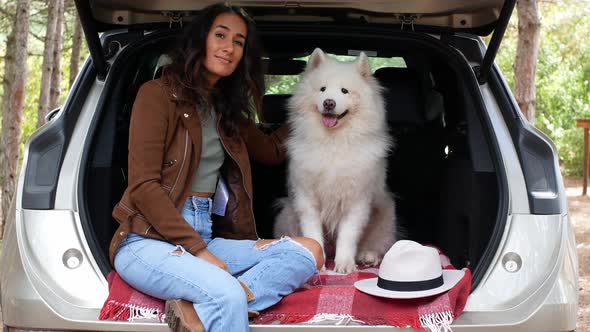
column 409, row 96
column 274, row 108
column 163, row 61
column 404, row 95
column 283, row 66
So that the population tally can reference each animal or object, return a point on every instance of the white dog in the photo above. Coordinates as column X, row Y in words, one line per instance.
column 337, row 149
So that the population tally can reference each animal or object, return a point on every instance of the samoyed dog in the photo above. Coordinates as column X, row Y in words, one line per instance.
column 337, row 148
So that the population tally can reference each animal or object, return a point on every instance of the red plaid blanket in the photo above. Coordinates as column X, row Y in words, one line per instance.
column 126, row 303
column 328, row 298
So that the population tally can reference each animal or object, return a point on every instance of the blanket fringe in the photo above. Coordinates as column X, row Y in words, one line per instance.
column 113, row 310
column 266, row 318
column 334, row 319
column 437, row 322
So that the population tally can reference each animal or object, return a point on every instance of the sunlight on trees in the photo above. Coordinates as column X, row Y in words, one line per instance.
column 563, row 75
column 38, row 25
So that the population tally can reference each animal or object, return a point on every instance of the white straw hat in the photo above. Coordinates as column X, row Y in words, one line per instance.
column 410, row 270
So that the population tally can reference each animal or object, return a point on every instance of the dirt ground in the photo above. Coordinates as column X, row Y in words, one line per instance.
column 579, row 209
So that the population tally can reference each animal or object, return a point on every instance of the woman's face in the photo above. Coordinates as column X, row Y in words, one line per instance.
column 225, row 46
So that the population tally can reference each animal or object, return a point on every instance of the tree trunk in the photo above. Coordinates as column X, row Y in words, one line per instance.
column 526, row 57
column 48, row 61
column 14, row 91
column 76, row 45
column 7, row 87
column 55, row 89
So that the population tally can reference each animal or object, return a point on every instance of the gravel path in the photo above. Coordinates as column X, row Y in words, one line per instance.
column 579, row 209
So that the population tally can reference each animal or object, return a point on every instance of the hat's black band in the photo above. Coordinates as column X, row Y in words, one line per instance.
column 410, row 286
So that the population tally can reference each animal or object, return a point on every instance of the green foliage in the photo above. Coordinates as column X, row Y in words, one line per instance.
column 563, row 75
column 37, row 28
column 29, row 123
column 276, row 84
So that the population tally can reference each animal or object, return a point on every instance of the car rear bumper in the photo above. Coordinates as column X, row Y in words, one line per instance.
column 30, row 303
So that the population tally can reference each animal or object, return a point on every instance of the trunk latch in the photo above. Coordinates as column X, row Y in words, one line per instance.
column 175, row 18
column 407, row 20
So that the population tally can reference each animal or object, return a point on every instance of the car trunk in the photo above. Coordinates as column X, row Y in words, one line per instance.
column 448, row 17
column 445, row 172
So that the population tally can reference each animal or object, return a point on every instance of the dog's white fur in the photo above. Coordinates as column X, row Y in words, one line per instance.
column 337, row 174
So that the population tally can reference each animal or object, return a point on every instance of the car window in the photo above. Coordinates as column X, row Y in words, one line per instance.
column 284, row 84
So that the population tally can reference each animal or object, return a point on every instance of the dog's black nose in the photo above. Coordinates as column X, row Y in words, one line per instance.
column 329, row 104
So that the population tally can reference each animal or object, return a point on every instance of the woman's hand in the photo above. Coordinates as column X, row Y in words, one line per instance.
column 207, row 256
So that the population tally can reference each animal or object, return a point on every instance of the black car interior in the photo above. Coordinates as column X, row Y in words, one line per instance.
column 442, row 196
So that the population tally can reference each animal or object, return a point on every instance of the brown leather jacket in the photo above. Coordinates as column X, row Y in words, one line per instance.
column 164, row 152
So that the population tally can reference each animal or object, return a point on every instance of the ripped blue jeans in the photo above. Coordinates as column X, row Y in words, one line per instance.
column 166, row 271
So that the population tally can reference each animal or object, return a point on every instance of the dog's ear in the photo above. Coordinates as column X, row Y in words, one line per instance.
column 315, row 59
column 362, row 65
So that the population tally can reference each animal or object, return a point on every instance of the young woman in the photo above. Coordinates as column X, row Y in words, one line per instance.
column 192, row 136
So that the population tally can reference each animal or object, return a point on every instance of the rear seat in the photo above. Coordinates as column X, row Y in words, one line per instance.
column 274, row 110
column 269, row 182
column 414, row 114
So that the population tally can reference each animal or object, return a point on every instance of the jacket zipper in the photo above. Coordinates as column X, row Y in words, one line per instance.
column 181, row 165
column 169, row 163
column 244, row 185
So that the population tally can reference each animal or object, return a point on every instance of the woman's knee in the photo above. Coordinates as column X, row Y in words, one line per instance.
column 314, row 248
column 230, row 294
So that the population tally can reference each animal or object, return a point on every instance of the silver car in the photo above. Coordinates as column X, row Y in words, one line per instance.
column 470, row 175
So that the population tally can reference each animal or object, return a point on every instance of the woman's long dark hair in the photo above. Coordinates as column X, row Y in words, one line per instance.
column 234, row 97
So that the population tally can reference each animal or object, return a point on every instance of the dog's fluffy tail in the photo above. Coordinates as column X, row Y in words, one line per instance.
column 286, row 223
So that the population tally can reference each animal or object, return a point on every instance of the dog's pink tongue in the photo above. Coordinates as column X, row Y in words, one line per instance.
column 329, row 121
